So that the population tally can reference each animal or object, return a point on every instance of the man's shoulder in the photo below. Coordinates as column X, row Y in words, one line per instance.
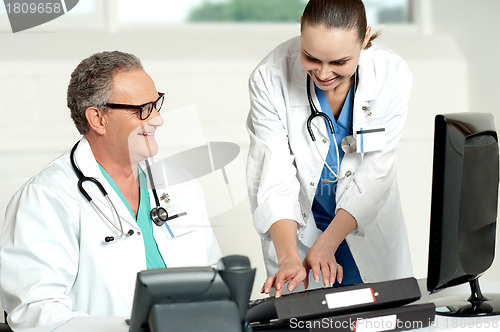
column 55, row 175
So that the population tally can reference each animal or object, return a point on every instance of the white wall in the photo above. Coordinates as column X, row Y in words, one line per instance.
column 473, row 25
column 207, row 67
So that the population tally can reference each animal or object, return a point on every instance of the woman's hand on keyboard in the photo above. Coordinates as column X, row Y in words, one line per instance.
column 291, row 272
column 320, row 258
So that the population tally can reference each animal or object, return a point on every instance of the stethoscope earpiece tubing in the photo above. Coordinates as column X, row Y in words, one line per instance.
column 153, row 188
column 82, row 178
column 93, row 180
column 159, row 212
column 315, row 113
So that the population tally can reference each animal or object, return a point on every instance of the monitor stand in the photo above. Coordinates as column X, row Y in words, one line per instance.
column 476, row 305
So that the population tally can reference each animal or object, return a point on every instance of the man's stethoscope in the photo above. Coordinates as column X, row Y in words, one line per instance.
column 348, row 143
column 158, row 214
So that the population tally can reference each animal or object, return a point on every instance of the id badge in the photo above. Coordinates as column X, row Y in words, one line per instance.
column 370, row 139
column 177, row 223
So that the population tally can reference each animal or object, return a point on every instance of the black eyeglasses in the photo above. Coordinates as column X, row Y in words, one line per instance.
column 146, row 109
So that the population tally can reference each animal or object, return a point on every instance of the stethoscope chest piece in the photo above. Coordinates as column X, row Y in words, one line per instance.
column 159, row 215
column 348, row 144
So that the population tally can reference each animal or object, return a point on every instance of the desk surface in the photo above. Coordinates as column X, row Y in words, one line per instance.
column 442, row 323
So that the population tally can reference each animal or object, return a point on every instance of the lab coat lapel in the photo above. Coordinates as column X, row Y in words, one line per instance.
column 88, row 165
column 366, row 91
column 367, row 80
column 298, row 92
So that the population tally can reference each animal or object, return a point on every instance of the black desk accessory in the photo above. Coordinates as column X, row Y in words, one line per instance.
column 401, row 318
column 193, row 298
column 330, row 301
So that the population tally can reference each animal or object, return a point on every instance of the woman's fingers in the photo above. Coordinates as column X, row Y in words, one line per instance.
column 292, row 273
column 299, row 277
column 268, row 284
column 340, row 274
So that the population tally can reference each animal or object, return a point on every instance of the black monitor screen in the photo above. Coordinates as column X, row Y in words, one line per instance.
column 464, row 199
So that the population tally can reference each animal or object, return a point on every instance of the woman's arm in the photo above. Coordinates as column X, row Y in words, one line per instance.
column 284, row 235
column 320, row 258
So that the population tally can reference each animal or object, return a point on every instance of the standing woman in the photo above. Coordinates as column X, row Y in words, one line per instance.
column 317, row 207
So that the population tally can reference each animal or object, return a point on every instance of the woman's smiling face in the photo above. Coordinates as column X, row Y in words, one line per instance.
column 330, row 55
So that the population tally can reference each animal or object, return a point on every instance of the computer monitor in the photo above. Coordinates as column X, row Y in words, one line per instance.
column 463, row 210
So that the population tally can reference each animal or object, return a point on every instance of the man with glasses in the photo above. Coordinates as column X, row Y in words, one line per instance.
column 77, row 233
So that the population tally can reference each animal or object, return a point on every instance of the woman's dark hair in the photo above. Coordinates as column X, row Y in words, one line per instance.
column 341, row 14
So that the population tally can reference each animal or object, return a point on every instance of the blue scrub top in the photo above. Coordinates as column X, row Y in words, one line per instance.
column 154, row 260
column 324, row 204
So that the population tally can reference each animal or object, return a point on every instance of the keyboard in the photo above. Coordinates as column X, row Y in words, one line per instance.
column 329, row 301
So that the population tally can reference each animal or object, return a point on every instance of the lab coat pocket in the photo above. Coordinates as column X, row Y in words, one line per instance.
column 370, row 138
column 177, row 225
column 178, row 221
column 186, row 248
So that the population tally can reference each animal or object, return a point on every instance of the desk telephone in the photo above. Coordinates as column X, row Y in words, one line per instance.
column 194, row 298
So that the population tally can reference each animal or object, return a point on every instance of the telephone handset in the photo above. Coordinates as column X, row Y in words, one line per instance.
column 236, row 272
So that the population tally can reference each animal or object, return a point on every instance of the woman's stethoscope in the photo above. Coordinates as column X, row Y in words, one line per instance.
column 348, row 143
column 158, row 214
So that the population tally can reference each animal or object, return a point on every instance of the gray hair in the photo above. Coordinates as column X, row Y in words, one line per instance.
column 91, row 82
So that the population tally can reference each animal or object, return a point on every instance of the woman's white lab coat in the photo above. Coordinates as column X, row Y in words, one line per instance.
column 54, row 262
column 284, row 166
